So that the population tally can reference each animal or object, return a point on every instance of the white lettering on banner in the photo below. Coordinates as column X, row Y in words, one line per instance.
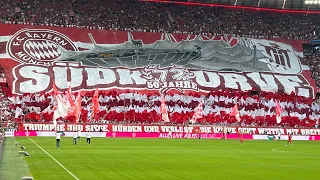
column 190, row 136
column 26, row 127
column 3, row 80
column 127, row 77
column 175, row 129
column 248, row 130
column 61, row 128
column 234, row 81
column 232, row 130
column 100, row 76
column 87, row 127
column 164, row 129
column 97, row 128
column 175, row 84
column 205, row 129
column 265, row 81
column 176, row 135
column 213, row 79
column 270, row 130
column 305, row 131
column 290, row 83
column 62, row 74
column 74, row 127
column 310, row 131
column 123, row 128
column 217, row 129
column 188, row 129
column 46, row 127
column 37, row 79
column 294, row 131
column 151, row 128
column 41, row 127
column 261, row 131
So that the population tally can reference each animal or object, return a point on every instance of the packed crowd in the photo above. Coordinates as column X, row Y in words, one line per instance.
column 146, row 16
column 137, row 108
column 312, row 59
column 4, row 102
column 130, row 15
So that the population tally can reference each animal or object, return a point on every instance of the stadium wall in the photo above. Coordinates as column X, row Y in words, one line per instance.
column 35, row 56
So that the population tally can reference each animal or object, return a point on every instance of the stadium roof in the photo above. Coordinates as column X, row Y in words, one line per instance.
column 275, row 4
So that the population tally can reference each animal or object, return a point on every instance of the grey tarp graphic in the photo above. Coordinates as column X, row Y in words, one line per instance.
column 197, row 53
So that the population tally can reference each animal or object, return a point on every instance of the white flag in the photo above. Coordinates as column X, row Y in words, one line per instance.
column 47, row 110
column 60, row 109
column 163, row 110
column 19, row 112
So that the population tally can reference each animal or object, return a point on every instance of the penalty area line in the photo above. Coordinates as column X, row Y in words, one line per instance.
column 75, row 177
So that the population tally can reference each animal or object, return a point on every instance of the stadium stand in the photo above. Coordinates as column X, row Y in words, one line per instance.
column 312, row 57
column 158, row 17
column 120, row 108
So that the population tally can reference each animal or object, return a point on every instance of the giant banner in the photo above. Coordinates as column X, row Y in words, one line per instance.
column 149, row 128
column 34, row 57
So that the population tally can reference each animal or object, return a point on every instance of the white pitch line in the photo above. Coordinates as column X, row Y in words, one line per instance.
column 275, row 150
column 75, row 177
column 279, row 150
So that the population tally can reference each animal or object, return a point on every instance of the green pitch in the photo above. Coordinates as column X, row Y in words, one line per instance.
column 152, row 159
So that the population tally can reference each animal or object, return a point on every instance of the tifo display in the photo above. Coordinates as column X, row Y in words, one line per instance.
column 130, row 89
column 74, row 75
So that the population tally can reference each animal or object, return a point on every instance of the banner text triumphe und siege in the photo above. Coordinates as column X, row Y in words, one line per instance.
column 164, row 129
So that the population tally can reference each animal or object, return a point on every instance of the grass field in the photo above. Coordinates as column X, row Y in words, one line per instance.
column 153, row 159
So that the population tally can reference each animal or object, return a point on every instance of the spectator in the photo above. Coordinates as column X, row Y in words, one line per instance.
column 132, row 15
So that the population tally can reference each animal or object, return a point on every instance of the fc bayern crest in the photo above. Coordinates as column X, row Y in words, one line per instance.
column 38, row 46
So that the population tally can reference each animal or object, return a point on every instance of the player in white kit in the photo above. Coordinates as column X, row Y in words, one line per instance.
column 88, row 135
column 58, row 136
column 75, row 135
column 170, row 134
column 79, row 135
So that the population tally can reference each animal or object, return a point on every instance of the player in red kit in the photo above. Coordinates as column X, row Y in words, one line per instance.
column 240, row 137
column 290, row 139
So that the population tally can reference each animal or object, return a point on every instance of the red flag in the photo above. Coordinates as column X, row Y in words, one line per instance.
column 235, row 112
column 70, row 102
column 198, row 112
column 69, row 96
column 278, row 112
column 77, row 108
column 54, row 89
column 163, row 110
column 95, row 102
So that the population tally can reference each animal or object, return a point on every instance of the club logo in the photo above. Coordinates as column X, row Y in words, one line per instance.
column 38, row 46
column 113, row 134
